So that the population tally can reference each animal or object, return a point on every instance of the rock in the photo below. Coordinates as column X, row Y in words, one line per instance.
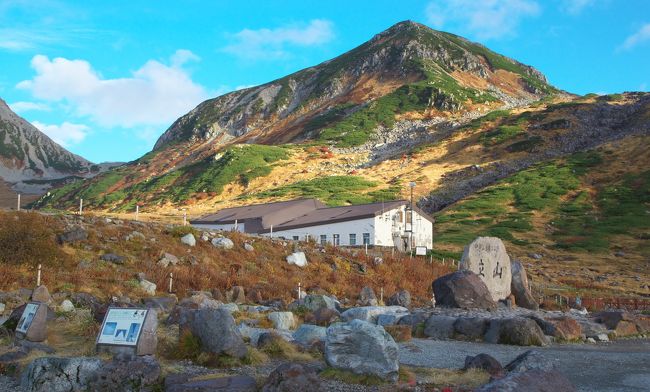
column 388, row 319
column 370, row 313
column 188, row 239
column 113, row 258
column 563, row 327
column 148, row 287
column 378, row 261
column 273, row 336
column 626, row 328
column 367, row 297
column 519, row 286
column 308, row 334
column 611, row 318
column 254, row 295
column 534, row 380
column 135, row 235
column 223, row 243
column 66, row 306
column 591, row 340
column 323, row 316
column 488, row 259
column 54, row 374
column 127, row 373
column 75, row 234
column 535, row 256
column 462, row 289
column 236, row 295
column 186, row 383
column 314, row 302
column 230, row 307
column 84, row 300
column 517, row 331
column 642, row 323
column 216, row 330
column 2, row 308
column 216, row 294
column 591, row 329
column 248, row 247
column 471, row 328
column 362, row 348
column 400, row 333
column 41, row 294
column 162, row 304
column 415, row 321
column 439, row 327
column 282, row 320
column 290, row 377
column 601, row 337
column 168, row 259
column 400, row 298
column 297, row 258
column 531, row 359
column 485, row 362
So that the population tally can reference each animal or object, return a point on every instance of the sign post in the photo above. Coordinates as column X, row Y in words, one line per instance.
column 128, row 330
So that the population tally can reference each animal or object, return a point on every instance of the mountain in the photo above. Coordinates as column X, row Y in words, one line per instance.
column 407, row 68
column 28, row 154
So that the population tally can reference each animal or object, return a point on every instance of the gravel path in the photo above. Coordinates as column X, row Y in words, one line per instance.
column 623, row 365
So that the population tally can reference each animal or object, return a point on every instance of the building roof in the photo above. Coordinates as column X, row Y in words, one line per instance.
column 287, row 215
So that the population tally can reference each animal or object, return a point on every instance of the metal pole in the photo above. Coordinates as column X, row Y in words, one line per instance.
column 18, row 207
column 38, row 276
column 81, row 206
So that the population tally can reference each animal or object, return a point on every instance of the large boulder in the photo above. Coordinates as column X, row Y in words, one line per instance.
column 314, row 302
column 290, row 377
column 517, row 331
column 282, row 320
column 439, row 327
column 367, row 297
column 531, row 359
column 127, row 373
column 307, row 334
column 488, row 259
column 188, row 239
column 297, row 258
column 520, row 288
column 323, row 316
column 216, row 330
column 75, row 234
column 168, row 259
column 485, row 362
column 370, row 313
column 462, row 289
column 223, row 243
column 362, row 348
column 471, row 328
column 53, row 374
column 400, row 298
column 534, row 380
column 41, row 294
column 562, row 327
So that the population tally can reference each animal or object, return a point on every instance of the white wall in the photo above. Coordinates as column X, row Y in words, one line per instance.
column 388, row 224
column 343, row 229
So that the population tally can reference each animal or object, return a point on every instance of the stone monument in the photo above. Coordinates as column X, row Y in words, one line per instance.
column 487, row 258
column 32, row 325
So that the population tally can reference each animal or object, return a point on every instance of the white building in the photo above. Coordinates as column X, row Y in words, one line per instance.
column 387, row 224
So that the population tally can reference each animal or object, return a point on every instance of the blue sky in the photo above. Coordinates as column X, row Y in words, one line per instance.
column 105, row 79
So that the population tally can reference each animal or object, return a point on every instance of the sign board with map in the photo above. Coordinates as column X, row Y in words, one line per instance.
column 32, row 325
column 27, row 318
column 122, row 327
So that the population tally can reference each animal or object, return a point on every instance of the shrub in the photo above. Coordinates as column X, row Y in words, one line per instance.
column 29, row 238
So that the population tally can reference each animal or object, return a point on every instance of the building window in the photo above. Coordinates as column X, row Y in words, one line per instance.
column 323, row 239
column 353, row 239
column 337, row 240
column 409, row 215
column 296, row 238
column 366, row 238
column 400, row 216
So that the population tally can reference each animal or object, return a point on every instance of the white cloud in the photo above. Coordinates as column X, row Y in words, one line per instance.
column 486, row 19
column 155, row 94
column 66, row 134
column 574, row 7
column 272, row 43
column 23, row 106
column 642, row 35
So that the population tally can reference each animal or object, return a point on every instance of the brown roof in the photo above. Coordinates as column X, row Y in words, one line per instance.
column 259, row 218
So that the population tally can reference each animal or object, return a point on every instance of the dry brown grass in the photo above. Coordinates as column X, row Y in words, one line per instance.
column 442, row 378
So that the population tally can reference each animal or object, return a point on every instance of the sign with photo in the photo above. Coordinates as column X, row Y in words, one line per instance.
column 420, row 250
column 26, row 319
column 122, row 326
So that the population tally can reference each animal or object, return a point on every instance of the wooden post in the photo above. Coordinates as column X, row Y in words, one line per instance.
column 366, row 249
column 171, row 280
column 18, row 207
column 184, row 218
column 381, row 295
column 137, row 211
column 299, row 291
column 236, row 224
column 38, row 276
column 431, row 259
column 81, row 206
column 271, row 233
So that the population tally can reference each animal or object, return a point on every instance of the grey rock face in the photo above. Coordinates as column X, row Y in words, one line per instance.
column 282, row 320
column 471, row 328
column 314, row 302
column 223, row 243
column 127, row 373
column 400, row 298
column 440, row 327
column 485, row 362
column 54, row 374
column 216, row 330
column 519, row 287
column 362, row 348
column 75, row 234
column 463, row 289
column 308, row 334
column 517, row 331
column 488, row 259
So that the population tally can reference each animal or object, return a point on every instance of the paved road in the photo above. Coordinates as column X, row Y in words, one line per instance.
column 618, row 366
